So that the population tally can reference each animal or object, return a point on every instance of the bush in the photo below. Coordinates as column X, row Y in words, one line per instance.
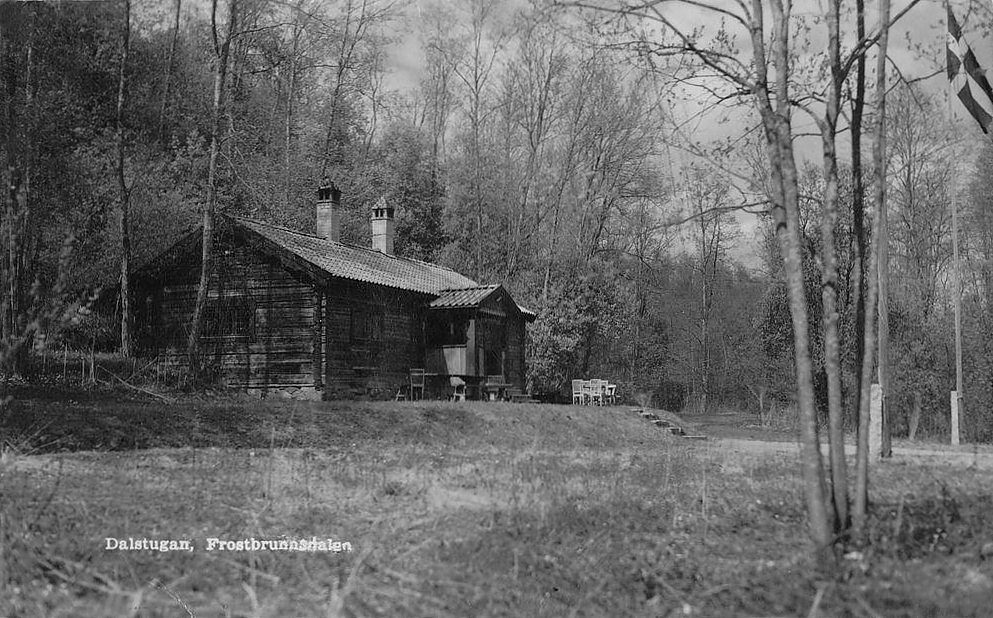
column 670, row 396
column 88, row 330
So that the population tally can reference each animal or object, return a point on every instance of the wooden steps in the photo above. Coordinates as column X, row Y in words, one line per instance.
column 661, row 423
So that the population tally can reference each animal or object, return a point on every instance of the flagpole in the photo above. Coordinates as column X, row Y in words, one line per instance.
column 957, row 409
column 957, row 282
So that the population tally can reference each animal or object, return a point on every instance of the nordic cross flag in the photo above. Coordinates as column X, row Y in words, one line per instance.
column 968, row 79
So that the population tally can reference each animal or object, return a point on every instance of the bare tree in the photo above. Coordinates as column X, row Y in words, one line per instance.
column 475, row 72
column 124, row 193
column 861, row 497
column 707, row 196
column 170, row 68
column 222, row 50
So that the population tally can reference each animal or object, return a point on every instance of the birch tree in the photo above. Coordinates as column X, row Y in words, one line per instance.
column 222, row 49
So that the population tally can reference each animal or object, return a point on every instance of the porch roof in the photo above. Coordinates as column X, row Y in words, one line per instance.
column 471, row 297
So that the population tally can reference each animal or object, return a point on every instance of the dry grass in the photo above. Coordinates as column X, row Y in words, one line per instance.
column 478, row 510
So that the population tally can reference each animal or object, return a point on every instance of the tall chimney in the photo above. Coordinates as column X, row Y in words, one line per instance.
column 329, row 211
column 383, row 227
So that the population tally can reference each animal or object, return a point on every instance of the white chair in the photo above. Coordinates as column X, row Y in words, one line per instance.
column 596, row 391
column 459, row 385
column 578, row 394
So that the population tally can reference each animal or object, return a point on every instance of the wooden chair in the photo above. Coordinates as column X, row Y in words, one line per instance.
column 416, row 384
column 578, row 394
column 402, row 393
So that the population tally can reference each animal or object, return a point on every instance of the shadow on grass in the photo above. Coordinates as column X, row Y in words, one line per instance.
column 80, row 424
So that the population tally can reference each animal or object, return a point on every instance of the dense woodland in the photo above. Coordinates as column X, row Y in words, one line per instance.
column 522, row 143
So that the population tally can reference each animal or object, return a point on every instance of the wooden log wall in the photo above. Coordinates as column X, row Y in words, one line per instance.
column 358, row 365
column 278, row 349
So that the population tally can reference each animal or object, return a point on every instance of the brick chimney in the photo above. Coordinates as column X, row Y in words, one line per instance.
column 329, row 211
column 383, row 227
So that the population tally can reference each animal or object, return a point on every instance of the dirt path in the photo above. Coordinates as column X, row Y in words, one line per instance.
column 979, row 456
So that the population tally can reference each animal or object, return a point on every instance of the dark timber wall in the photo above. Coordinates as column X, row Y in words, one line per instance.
column 373, row 336
column 259, row 323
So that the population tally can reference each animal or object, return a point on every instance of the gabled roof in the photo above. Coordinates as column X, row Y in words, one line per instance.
column 360, row 263
column 321, row 258
column 466, row 298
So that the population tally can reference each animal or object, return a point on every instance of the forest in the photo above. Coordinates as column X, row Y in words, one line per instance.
column 549, row 147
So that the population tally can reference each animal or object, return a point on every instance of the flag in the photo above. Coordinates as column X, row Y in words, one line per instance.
column 967, row 78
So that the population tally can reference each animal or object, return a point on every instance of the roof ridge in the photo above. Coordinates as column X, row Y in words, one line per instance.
column 349, row 245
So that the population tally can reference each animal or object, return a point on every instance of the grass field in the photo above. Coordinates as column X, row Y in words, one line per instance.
column 451, row 510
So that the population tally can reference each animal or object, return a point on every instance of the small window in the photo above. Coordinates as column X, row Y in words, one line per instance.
column 450, row 331
column 366, row 349
column 230, row 316
column 367, row 324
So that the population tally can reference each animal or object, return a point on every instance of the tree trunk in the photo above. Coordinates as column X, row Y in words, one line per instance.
column 915, row 417
column 206, row 267
column 860, row 505
column 17, row 148
column 858, row 210
column 123, row 193
column 829, row 277
column 288, row 121
column 170, row 67
column 779, row 138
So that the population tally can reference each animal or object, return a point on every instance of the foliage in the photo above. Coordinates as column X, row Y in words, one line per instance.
column 580, row 317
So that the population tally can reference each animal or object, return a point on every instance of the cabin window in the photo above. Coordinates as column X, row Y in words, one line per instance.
column 366, row 336
column 367, row 324
column 229, row 316
column 441, row 332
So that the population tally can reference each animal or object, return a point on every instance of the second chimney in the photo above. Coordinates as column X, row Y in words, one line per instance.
column 383, row 227
column 329, row 211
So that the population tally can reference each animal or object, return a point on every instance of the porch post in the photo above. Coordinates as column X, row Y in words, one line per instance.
column 470, row 346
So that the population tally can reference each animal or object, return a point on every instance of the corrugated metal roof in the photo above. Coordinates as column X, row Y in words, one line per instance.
column 360, row 263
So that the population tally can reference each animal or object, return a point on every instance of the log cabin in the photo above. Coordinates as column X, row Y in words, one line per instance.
column 308, row 316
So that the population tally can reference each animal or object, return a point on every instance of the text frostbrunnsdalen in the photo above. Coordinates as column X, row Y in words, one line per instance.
column 253, row 544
